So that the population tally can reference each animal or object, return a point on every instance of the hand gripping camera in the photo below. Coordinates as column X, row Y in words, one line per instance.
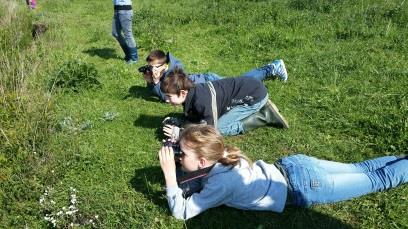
column 172, row 121
column 146, row 69
column 176, row 148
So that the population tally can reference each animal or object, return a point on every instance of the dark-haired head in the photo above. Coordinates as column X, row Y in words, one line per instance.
column 176, row 81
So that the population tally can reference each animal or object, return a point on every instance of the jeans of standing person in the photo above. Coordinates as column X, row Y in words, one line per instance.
column 122, row 22
column 314, row 181
column 230, row 123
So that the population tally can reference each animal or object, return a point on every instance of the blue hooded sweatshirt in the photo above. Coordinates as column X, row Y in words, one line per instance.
column 261, row 187
column 173, row 63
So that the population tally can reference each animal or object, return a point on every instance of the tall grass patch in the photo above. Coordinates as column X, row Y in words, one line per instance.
column 24, row 118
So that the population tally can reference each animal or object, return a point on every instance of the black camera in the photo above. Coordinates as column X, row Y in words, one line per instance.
column 172, row 121
column 175, row 146
column 146, row 69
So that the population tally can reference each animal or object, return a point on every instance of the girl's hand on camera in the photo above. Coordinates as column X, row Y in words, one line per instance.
column 168, row 165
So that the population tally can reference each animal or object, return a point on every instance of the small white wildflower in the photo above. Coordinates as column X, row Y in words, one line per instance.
column 52, row 202
column 42, row 199
column 69, row 212
column 54, row 222
column 96, row 216
column 52, row 171
column 59, row 213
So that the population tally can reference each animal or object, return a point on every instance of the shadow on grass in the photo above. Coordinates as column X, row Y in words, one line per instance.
column 105, row 53
column 153, row 122
column 147, row 180
column 140, row 92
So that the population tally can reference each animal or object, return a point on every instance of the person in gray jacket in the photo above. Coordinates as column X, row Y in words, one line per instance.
column 297, row 180
column 122, row 22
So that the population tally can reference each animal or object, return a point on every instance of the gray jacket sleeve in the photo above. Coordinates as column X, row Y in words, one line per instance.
column 214, row 194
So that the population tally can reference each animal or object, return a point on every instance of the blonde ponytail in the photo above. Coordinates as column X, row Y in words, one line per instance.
column 207, row 142
column 232, row 156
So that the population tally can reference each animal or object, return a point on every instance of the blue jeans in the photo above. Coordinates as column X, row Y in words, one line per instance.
column 203, row 77
column 260, row 73
column 122, row 22
column 314, row 181
column 230, row 123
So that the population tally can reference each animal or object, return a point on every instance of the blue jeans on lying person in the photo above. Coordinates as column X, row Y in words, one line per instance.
column 260, row 74
column 204, row 77
column 230, row 123
column 314, row 181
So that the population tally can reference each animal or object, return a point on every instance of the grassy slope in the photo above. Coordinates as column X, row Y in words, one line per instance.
column 345, row 100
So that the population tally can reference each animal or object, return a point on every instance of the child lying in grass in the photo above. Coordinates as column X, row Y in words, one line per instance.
column 159, row 64
column 232, row 105
column 297, row 180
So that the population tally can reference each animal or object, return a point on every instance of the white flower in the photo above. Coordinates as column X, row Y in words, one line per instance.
column 69, row 212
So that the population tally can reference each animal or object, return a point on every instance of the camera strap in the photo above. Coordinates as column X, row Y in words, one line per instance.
column 194, row 175
column 213, row 103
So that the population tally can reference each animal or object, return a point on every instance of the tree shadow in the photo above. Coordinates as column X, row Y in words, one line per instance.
column 137, row 91
column 149, row 182
column 105, row 53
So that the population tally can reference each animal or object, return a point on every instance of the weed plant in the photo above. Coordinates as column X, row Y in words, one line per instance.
column 75, row 75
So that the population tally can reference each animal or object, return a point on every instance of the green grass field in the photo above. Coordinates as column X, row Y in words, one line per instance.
column 346, row 99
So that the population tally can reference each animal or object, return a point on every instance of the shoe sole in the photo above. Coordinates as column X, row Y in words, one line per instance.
column 277, row 114
column 284, row 69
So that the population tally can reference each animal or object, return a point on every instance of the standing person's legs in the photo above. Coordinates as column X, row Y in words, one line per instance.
column 125, row 17
column 116, row 32
column 311, row 184
column 230, row 123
